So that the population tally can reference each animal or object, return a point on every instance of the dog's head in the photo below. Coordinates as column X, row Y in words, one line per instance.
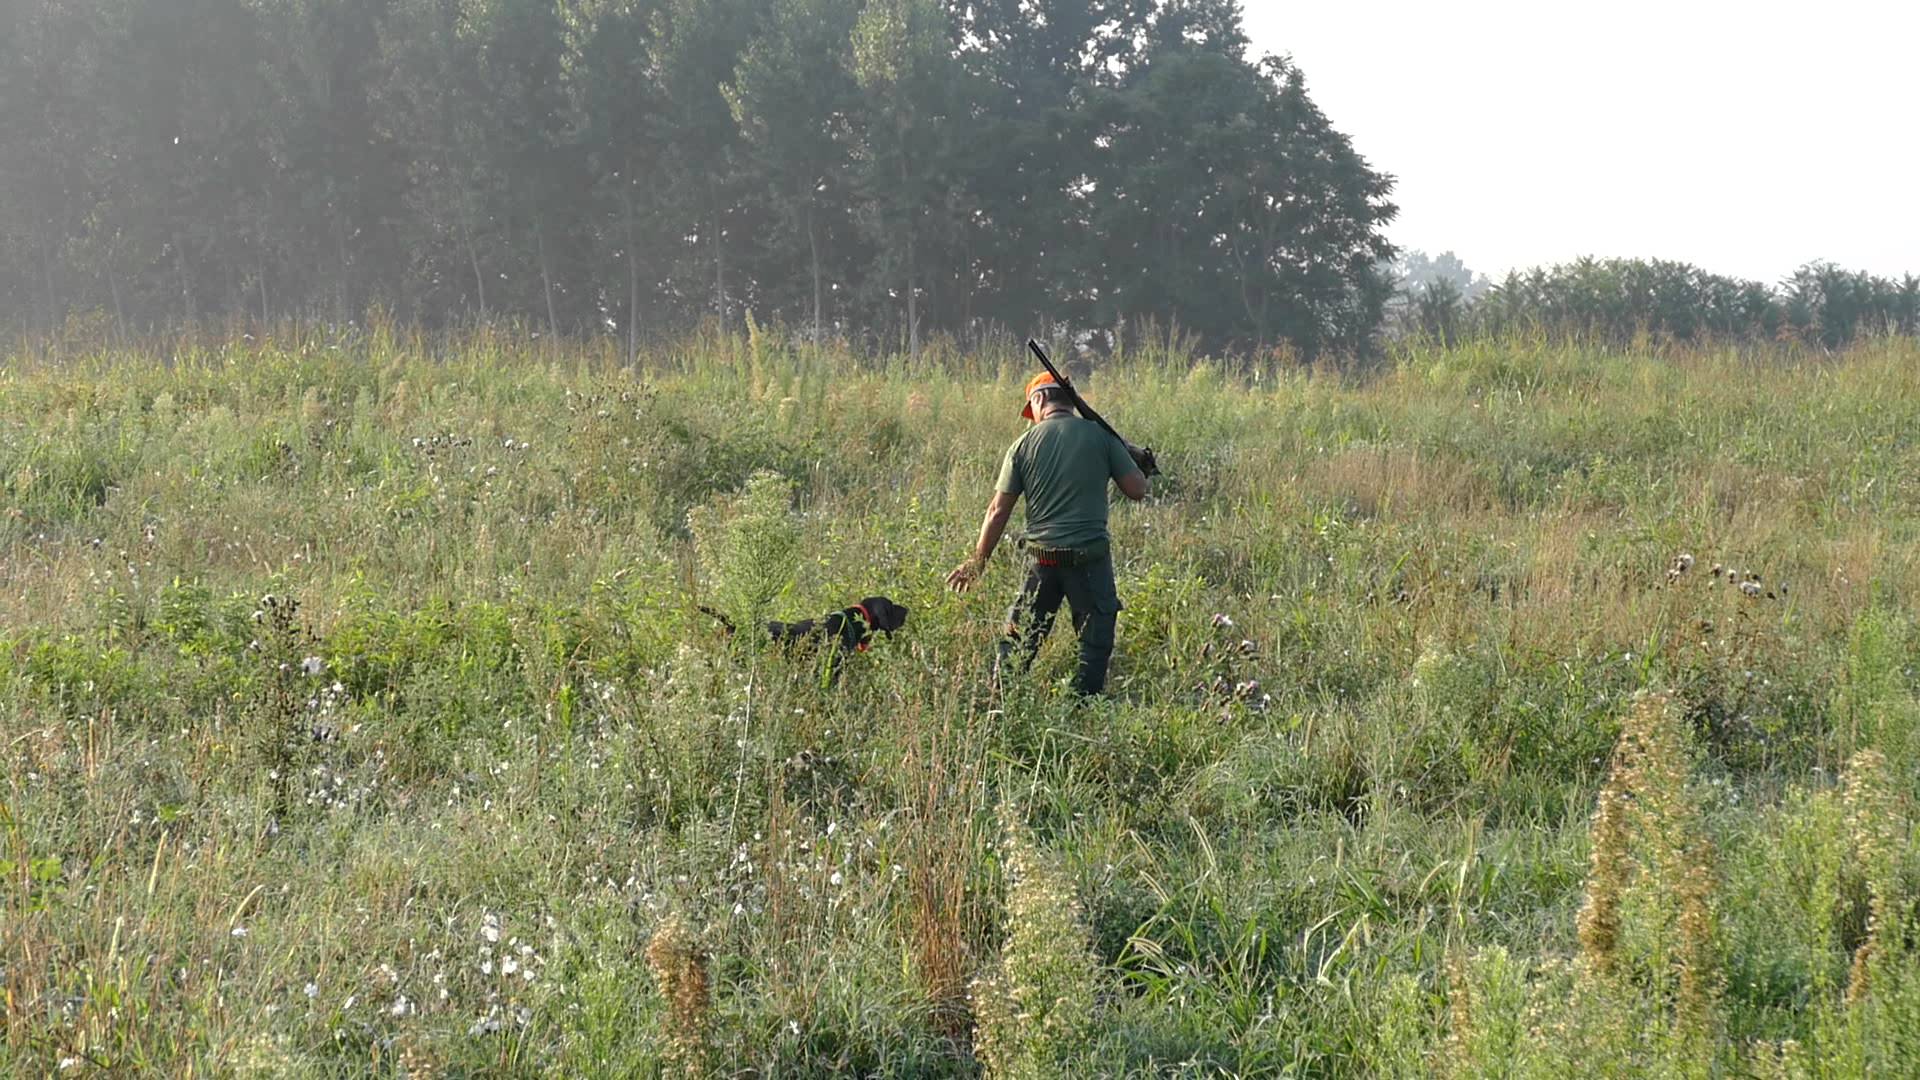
column 883, row 614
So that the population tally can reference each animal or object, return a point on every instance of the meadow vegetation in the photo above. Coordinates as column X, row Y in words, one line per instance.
column 1513, row 708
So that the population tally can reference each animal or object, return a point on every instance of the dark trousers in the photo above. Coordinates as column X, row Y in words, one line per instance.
column 1088, row 589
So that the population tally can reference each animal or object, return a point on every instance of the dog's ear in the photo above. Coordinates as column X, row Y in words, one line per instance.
column 887, row 615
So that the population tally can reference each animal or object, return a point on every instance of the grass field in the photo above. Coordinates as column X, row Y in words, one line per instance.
column 1423, row 755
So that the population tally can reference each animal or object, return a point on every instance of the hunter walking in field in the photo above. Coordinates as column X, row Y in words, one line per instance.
column 1061, row 464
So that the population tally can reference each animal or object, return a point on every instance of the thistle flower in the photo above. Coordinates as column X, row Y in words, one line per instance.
column 1682, row 563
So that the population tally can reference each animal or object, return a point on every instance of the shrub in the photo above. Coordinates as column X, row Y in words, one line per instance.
column 748, row 545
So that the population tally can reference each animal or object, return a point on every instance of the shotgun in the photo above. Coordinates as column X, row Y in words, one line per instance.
column 1142, row 455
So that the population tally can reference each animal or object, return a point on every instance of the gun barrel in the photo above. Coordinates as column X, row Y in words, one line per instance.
column 1144, row 456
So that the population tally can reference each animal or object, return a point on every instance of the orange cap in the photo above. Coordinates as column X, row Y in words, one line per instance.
column 1045, row 378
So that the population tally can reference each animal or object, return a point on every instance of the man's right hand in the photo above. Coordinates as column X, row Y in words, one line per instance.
column 1143, row 457
column 964, row 575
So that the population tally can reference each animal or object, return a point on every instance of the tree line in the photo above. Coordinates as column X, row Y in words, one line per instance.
column 872, row 170
column 1619, row 301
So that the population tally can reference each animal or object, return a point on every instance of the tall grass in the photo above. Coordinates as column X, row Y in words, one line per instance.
column 1425, row 752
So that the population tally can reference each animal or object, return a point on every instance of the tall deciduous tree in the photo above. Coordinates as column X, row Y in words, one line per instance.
column 793, row 96
column 621, row 107
column 523, row 54
column 903, row 63
column 1227, row 203
column 696, row 46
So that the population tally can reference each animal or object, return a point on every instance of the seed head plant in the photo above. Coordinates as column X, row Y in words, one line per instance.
column 1035, row 1009
column 1874, row 823
column 1651, row 877
column 284, row 648
column 1608, row 866
column 680, row 969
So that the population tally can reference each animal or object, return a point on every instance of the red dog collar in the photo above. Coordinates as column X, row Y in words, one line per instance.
column 864, row 614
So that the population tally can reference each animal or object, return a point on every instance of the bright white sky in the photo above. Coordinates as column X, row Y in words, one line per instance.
column 1747, row 138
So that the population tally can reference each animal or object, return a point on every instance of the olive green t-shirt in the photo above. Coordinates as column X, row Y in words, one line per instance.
column 1062, row 465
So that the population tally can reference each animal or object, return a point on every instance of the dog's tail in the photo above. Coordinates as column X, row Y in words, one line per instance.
column 724, row 621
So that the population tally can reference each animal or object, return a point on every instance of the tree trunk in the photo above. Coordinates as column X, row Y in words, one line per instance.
column 546, row 278
column 46, row 275
column 236, row 308
column 473, row 259
column 265, row 318
column 113, row 288
column 465, row 212
column 186, row 279
column 913, row 306
column 633, row 274
column 719, row 256
column 813, row 247
column 342, row 302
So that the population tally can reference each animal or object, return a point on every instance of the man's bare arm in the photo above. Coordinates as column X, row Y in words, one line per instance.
column 1135, row 485
column 999, row 512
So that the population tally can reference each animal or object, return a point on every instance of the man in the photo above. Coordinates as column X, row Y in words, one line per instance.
column 1061, row 464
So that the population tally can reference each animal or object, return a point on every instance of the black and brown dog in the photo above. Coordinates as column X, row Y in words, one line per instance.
column 851, row 628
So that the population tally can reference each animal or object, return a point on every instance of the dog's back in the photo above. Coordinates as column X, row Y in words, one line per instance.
column 850, row 628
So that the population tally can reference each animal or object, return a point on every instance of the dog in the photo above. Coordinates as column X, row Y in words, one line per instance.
column 851, row 629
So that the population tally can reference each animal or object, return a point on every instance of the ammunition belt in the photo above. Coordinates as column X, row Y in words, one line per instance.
column 1066, row 557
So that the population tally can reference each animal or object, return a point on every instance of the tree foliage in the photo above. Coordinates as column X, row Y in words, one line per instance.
column 892, row 168
column 1618, row 300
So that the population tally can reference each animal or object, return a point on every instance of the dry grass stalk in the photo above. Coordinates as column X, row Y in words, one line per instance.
column 1457, row 1052
column 942, row 851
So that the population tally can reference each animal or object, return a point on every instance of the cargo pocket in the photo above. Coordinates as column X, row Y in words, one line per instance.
column 1096, row 587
